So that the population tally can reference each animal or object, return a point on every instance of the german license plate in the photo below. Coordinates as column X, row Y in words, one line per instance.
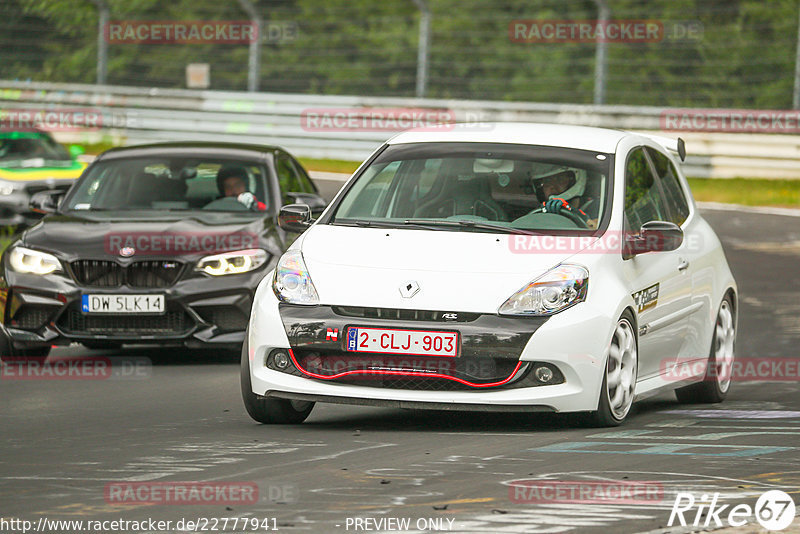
column 396, row 341
column 119, row 304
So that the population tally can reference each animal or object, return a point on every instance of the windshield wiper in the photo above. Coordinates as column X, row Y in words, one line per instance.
column 379, row 224
column 471, row 224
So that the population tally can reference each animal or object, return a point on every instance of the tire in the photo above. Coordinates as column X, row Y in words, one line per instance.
column 717, row 381
column 622, row 362
column 101, row 345
column 36, row 354
column 266, row 410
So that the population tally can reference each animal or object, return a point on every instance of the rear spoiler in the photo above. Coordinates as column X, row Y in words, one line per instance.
column 676, row 146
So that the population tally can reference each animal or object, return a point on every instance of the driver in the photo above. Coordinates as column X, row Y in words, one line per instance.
column 232, row 182
column 563, row 191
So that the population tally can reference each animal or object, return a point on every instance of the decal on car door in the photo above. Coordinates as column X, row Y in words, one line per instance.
column 646, row 298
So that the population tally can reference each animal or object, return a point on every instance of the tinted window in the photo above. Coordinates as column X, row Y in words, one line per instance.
column 676, row 200
column 643, row 201
column 291, row 178
column 502, row 184
column 164, row 183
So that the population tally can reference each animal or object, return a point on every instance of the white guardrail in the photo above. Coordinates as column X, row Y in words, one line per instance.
column 135, row 115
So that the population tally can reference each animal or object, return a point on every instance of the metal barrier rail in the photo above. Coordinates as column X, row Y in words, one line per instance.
column 134, row 115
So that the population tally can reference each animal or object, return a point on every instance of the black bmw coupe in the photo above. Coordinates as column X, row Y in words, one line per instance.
column 161, row 243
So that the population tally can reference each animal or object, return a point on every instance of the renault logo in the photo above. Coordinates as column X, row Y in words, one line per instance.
column 409, row 289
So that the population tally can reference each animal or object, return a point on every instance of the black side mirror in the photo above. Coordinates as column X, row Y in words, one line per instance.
column 316, row 203
column 46, row 201
column 655, row 236
column 295, row 218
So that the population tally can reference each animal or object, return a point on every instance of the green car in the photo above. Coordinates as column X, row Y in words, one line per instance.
column 32, row 161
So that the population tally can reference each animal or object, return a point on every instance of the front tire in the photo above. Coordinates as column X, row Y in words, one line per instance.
column 266, row 410
column 619, row 376
column 717, row 380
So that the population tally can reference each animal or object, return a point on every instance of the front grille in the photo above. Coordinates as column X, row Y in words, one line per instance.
column 174, row 322
column 32, row 317
column 404, row 315
column 153, row 273
column 98, row 273
column 145, row 274
column 406, row 372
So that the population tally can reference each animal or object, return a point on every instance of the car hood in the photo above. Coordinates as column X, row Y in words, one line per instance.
column 92, row 237
column 455, row 270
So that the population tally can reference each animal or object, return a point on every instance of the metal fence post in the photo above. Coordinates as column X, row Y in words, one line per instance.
column 254, row 57
column 796, row 96
column 600, row 58
column 422, row 50
column 102, row 44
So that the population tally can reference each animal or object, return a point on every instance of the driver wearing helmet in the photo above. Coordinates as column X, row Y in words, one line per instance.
column 563, row 191
column 232, row 182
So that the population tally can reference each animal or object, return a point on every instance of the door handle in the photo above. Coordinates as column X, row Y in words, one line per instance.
column 683, row 265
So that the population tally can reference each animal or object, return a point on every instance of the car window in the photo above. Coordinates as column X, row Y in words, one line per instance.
column 643, row 200
column 173, row 183
column 675, row 197
column 499, row 184
column 291, row 178
column 25, row 145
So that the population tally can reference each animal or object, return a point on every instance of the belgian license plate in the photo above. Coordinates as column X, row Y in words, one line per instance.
column 119, row 304
column 396, row 341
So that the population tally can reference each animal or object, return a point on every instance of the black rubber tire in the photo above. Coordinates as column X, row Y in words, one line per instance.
column 266, row 410
column 604, row 417
column 707, row 391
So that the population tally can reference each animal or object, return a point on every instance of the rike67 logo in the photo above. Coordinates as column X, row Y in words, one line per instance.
column 774, row 511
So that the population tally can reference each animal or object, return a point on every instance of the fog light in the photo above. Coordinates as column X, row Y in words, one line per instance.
column 281, row 360
column 543, row 374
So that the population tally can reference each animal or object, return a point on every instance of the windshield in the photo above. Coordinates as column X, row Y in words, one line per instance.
column 170, row 183
column 480, row 187
column 16, row 147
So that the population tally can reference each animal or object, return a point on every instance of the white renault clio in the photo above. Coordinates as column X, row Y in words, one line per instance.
column 508, row 267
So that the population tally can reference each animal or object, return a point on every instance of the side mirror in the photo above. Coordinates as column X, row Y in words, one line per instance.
column 46, row 201
column 655, row 236
column 76, row 150
column 295, row 218
column 316, row 203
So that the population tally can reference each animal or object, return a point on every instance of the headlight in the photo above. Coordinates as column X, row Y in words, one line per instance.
column 25, row 260
column 554, row 291
column 6, row 188
column 292, row 282
column 239, row 261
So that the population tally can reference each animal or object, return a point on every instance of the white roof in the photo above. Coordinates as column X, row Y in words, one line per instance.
column 559, row 135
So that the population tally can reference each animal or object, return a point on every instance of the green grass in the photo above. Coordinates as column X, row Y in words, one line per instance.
column 329, row 165
column 747, row 191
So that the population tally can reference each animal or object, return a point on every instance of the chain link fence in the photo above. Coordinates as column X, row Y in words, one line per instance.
column 679, row 53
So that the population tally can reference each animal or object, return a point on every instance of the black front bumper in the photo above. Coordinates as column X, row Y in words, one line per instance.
column 488, row 355
column 200, row 311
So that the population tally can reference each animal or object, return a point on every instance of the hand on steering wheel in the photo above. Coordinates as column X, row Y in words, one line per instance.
column 559, row 206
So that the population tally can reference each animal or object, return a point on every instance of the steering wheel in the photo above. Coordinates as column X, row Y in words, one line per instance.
column 225, row 204
column 571, row 215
